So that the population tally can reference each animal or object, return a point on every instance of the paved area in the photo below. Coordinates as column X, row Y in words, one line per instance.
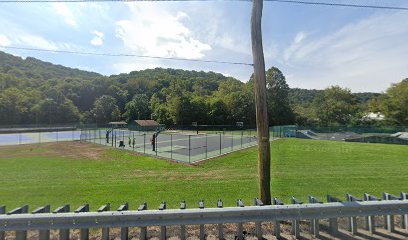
column 38, row 137
column 176, row 146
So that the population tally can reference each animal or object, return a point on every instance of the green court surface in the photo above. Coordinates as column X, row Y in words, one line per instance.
column 181, row 147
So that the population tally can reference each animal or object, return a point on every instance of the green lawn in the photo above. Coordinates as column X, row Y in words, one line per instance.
column 299, row 168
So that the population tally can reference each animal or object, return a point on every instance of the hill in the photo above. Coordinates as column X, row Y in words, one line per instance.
column 38, row 92
column 300, row 96
column 32, row 68
column 34, row 91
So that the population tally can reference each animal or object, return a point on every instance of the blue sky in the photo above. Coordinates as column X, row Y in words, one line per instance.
column 314, row 46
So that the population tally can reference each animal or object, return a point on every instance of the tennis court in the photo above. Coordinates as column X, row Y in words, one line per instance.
column 176, row 146
column 38, row 137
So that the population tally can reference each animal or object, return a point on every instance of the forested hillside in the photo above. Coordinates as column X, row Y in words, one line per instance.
column 37, row 92
column 35, row 70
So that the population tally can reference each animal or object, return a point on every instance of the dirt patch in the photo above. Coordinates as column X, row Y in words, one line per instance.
column 78, row 150
column 183, row 175
column 23, row 150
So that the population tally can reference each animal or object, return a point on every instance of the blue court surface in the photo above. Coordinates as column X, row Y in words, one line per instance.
column 38, row 137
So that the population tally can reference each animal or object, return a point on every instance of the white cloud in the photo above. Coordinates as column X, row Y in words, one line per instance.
column 97, row 40
column 299, row 37
column 66, row 13
column 365, row 56
column 13, row 33
column 296, row 44
column 154, row 30
column 233, row 44
column 25, row 39
column 4, row 41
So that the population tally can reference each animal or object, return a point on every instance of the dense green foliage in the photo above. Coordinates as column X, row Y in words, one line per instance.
column 36, row 92
column 48, row 174
column 394, row 104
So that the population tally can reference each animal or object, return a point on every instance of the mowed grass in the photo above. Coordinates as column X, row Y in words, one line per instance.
column 40, row 174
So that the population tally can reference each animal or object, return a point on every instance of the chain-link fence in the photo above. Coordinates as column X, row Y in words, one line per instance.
column 183, row 147
column 33, row 134
column 365, row 134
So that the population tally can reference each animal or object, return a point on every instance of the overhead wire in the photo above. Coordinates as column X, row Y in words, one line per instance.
column 125, row 55
column 312, row 3
column 334, row 4
column 315, row 3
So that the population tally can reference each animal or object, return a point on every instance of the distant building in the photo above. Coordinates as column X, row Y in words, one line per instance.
column 147, row 125
column 118, row 124
column 373, row 116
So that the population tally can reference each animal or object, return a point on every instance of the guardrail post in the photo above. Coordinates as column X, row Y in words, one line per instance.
column 63, row 233
column 2, row 211
column 202, row 232
column 333, row 224
column 44, row 234
column 370, row 220
column 352, row 221
column 295, row 223
column 240, row 231
column 389, row 219
column 276, row 201
column 124, row 231
column 183, row 227
column 84, row 234
column 314, row 223
column 20, row 235
column 404, row 218
column 220, row 225
column 143, row 230
column 163, row 228
column 258, row 226
column 105, row 231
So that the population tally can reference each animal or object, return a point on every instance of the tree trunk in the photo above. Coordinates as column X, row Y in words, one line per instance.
column 264, row 154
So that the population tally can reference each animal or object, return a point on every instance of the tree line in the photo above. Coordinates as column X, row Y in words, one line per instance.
column 37, row 92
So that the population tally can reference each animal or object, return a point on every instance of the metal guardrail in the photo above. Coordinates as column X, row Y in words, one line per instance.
column 20, row 221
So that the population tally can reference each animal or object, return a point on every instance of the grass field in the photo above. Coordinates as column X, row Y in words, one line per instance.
column 78, row 173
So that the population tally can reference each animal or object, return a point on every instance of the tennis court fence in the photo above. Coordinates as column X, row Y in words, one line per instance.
column 34, row 133
column 183, row 147
column 178, row 145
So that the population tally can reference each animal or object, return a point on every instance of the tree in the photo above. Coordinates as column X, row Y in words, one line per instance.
column 180, row 109
column 394, row 104
column 198, row 109
column 217, row 111
column 121, row 96
column 14, row 106
column 335, row 106
column 138, row 108
column 105, row 109
column 279, row 110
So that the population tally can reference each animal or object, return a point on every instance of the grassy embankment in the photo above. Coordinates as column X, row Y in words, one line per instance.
column 76, row 173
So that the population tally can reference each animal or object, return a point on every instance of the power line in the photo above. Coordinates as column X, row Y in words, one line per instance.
column 316, row 3
column 125, row 55
column 340, row 4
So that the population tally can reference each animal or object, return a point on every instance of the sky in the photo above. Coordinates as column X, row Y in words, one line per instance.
column 365, row 50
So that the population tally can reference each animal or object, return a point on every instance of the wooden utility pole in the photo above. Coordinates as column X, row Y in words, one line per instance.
column 264, row 152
